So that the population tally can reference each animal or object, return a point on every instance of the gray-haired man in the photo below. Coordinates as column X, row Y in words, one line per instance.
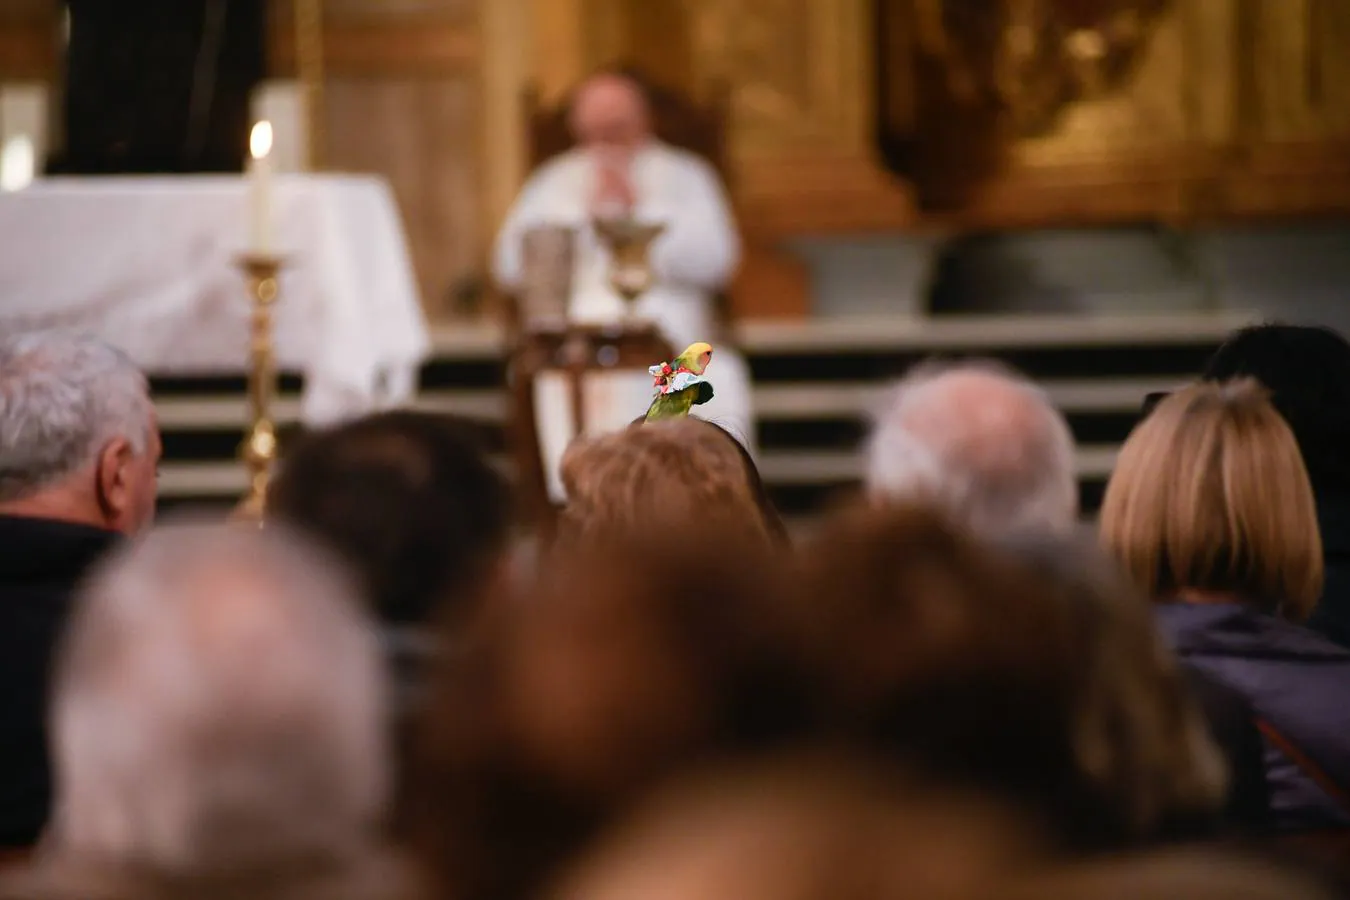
column 220, row 723
column 78, row 450
column 980, row 441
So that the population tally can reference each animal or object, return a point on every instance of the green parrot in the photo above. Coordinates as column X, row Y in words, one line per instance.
column 679, row 387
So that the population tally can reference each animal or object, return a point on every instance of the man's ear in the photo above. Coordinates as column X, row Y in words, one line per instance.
column 112, row 485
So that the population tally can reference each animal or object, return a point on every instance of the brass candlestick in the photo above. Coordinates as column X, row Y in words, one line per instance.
column 259, row 450
column 629, row 243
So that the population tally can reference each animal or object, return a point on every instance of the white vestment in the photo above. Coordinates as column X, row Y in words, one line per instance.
column 692, row 259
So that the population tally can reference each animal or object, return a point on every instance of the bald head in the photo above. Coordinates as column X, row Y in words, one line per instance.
column 982, row 442
column 610, row 112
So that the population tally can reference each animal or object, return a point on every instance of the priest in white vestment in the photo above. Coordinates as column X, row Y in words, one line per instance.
column 619, row 169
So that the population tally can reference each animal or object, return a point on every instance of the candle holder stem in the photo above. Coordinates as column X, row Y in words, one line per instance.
column 258, row 452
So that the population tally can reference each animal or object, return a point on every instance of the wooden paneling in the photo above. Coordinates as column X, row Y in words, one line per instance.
column 558, row 45
column 1185, row 184
column 800, row 72
column 422, row 135
column 426, row 48
column 27, row 51
column 403, row 99
column 770, row 284
column 507, row 32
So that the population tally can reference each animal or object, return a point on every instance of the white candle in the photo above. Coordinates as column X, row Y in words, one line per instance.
column 260, row 188
column 16, row 164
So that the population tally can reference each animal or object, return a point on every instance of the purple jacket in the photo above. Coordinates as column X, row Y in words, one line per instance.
column 1294, row 679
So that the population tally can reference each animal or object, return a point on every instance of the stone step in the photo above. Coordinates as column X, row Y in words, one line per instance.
column 972, row 333
column 226, row 477
column 774, row 402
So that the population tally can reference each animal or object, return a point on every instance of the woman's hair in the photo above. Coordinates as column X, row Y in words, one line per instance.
column 1210, row 493
column 1027, row 672
column 649, row 478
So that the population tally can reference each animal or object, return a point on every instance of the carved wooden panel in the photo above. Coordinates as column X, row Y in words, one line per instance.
column 1157, row 109
column 800, row 71
column 1219, row 72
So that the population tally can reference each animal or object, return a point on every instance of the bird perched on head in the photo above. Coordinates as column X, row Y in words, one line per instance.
column 679, row 383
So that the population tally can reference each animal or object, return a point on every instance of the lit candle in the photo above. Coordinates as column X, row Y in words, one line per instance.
column 260, row 200
column 16, row 164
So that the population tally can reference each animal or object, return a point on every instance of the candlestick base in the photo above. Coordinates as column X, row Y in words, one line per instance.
column 258, row 452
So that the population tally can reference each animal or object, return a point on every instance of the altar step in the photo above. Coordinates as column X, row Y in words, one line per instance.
column 816, row 385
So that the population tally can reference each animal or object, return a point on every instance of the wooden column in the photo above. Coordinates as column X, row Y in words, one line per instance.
column 403, row 97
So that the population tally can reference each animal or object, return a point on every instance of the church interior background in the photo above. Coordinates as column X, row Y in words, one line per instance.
column 1096, row 190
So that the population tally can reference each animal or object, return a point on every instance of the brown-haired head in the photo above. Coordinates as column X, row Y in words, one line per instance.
column 1210, row 493
column 410, row 500
column 664, row 477
column 624, row 660
column 805, row 828
column 982, row 668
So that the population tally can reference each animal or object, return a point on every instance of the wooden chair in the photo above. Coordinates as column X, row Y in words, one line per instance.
column 580, row 350
column 577, row 351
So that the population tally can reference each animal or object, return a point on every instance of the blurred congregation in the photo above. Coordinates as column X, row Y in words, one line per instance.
column 812, row 450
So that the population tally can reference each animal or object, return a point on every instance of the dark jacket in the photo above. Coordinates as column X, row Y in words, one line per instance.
column 1332, row 615
column 1232, row 725
column 41, row 561
column 1295, row 680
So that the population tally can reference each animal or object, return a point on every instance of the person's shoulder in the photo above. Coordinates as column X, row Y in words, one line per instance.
column 1297, row 641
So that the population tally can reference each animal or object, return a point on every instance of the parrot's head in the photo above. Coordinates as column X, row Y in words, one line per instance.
column 696, row 357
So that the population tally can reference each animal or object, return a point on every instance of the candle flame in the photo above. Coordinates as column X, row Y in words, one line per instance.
column 260, row 139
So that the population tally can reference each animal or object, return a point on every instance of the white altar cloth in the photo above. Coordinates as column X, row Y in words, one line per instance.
column 148, row 264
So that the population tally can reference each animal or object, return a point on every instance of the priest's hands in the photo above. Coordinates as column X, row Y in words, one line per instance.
column 613, row 196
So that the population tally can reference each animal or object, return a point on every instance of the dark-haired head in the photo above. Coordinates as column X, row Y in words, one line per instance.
column 988, row 668
column 1307, row 370
column 409, row 499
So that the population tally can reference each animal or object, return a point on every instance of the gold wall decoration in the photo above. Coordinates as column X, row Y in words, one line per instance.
column 799, row 71
column 1117, row 110
column 1151, row 107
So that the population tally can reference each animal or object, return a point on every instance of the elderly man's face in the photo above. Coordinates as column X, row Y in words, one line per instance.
column 610, row 114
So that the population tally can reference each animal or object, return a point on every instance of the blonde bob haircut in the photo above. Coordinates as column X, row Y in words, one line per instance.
column 1210, row 493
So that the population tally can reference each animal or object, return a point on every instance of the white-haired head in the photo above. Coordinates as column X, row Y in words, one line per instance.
column 979, row 440
column 72, row 406
column 219, row 703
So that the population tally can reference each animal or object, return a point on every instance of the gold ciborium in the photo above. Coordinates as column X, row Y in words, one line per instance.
column 629, row 243
column 258, row 452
